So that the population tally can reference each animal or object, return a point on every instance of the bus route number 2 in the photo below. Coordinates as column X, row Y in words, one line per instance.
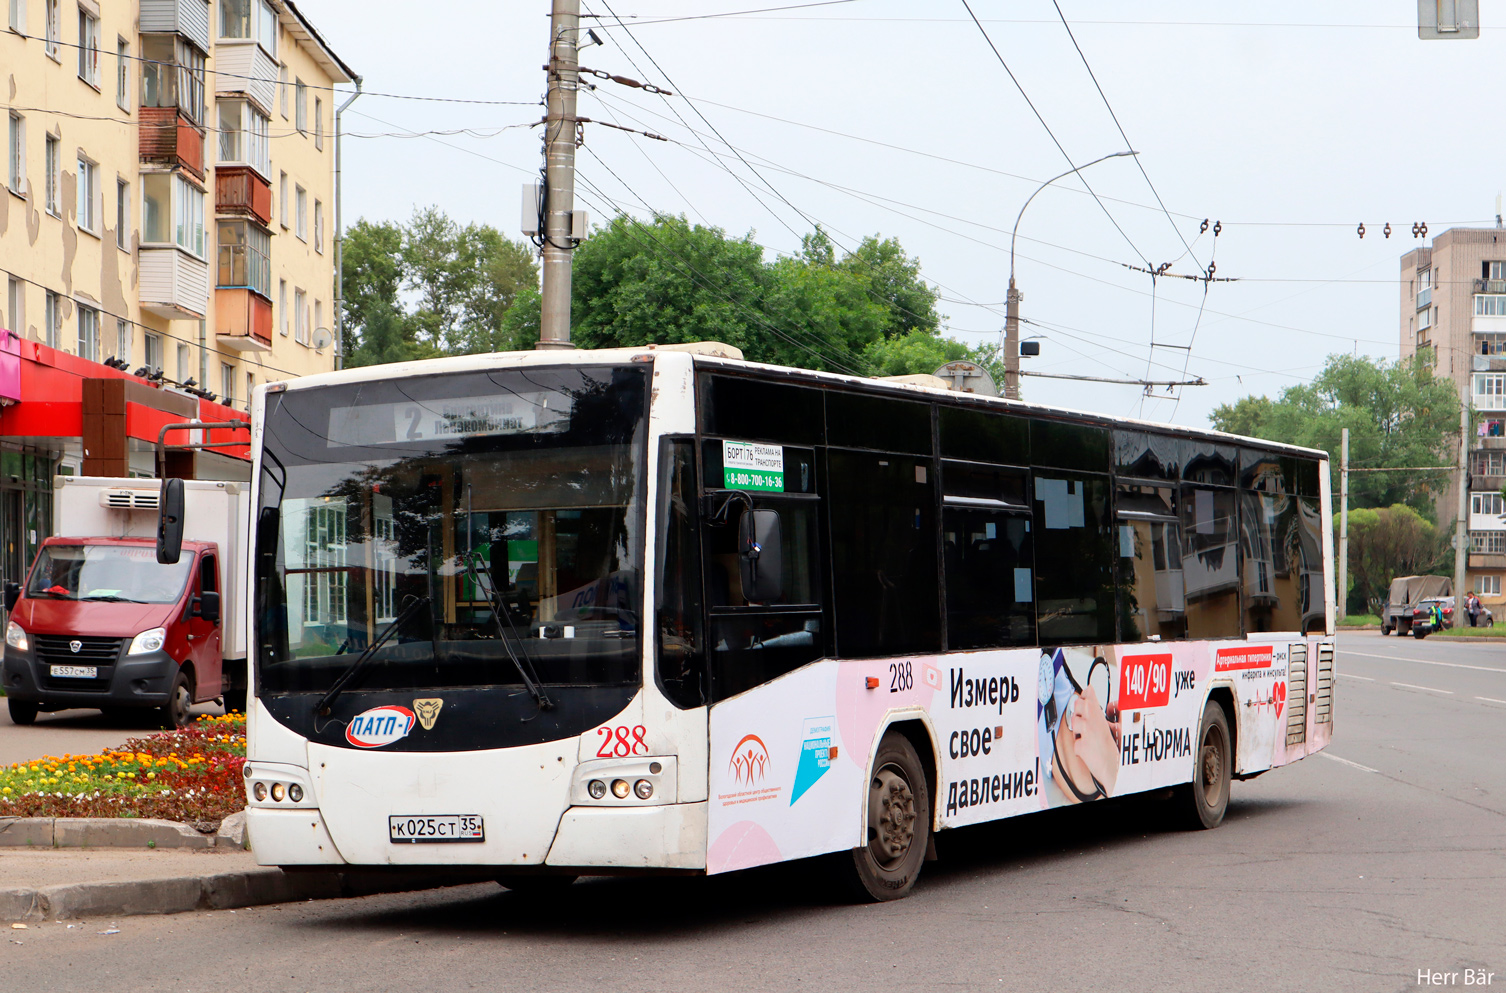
column 621, row 741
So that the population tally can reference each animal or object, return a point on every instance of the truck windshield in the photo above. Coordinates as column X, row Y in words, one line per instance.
column 509, row 501
column 112, row 573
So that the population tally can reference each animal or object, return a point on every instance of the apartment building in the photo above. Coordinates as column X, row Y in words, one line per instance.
column 1453, row 301
column 165, row 232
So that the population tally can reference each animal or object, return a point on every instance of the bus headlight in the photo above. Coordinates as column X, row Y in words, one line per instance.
column 597, row 789
column 643, row 789
column 295, row 793
column 148, row 641
column 278, row 790
column 15, row 637
column 259, row 791
column 620, row 788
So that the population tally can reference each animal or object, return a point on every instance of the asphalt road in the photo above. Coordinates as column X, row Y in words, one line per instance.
column 1347, row 872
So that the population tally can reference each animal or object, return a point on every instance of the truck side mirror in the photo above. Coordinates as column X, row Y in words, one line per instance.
column 12, row 594
column 170, row 522
column 209, row 606
column 760, row 555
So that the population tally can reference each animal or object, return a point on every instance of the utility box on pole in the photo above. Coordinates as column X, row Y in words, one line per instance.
column 1448, row 20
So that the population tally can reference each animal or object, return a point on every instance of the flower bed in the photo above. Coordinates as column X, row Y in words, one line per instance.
column 191, row 775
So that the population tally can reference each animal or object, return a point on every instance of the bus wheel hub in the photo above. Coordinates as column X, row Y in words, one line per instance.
column 891, row 816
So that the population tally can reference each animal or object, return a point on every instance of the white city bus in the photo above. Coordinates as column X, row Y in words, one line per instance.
column 548, row 614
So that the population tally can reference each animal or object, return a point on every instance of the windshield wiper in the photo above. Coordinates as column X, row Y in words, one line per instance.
column 411, row 606
column 530, row 678
column 110, row 598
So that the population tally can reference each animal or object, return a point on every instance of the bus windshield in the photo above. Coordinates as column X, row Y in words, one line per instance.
column 495, row 516
column 112, row 573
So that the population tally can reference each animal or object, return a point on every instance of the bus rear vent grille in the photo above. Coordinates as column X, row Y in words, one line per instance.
column 1296, row 696
column 1323, row 705
column 130, row 499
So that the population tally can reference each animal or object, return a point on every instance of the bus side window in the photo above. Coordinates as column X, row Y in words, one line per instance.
column 682, row 649
column 988, row 555
column 1210, row 561
column 1075, row 551
column 1152, row 597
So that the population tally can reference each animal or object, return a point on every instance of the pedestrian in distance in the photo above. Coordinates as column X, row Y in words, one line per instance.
column 1473, row 606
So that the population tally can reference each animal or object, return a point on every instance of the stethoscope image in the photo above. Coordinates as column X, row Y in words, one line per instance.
column 1056, row 699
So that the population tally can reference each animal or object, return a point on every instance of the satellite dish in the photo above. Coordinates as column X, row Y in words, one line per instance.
column 322, row 338
column 968, row 377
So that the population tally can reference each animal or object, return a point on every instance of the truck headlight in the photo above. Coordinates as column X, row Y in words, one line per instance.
column 15, row 637
column 148, row 641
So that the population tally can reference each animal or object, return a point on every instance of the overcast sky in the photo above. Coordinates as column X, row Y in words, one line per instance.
column 1289, row 122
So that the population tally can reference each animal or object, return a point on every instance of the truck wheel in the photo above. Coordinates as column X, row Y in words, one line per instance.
column 1385, row 630
column 174, row 713
column 1201, row 804
column 899, row 826
column 22, row 712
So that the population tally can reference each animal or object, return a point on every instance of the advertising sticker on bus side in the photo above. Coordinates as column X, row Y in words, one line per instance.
column 750, row 466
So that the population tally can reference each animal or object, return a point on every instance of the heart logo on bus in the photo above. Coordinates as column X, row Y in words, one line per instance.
column 1278, row 696
column 379, row 726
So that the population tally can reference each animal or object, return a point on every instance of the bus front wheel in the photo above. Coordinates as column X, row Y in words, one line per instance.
column 1204, row 800
column 22, row 712
column 899, row 825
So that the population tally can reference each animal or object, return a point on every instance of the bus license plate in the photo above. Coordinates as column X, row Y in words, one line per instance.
column 415, row 828
column 76, row 671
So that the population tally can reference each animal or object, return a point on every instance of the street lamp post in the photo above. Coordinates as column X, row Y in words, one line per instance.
column 1012, row 300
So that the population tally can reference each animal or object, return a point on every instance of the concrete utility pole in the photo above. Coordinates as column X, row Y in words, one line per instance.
column 559, row 174
column 340, row 238
column 1343, row 523
column 1461, row 527
column 1012, row 300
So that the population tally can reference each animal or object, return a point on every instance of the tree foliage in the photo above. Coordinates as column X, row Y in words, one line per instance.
column 1398, row 415
column 1387, row 542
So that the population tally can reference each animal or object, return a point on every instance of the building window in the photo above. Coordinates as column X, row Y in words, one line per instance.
column 302, row 213
column 15, row 158
column 244, row 262
column 15, row 305
column 52, row 331
column 1486, row 503
column 300, row 317
column 122, row 76
column 1424, row 288
column 282, row 198
column 88, row 48
column 88, row 333
column 1488, row 585
column 1490, row 391
column 122, row 214
column 123, row 339
column 53, row 162
column 282, row 306
column 1487, row 542
column 1487, row 463
column 282, row 91
column 301, row 106
column 54, row 29
column 18, row 16
column 318, row 123
column 88, row 196
column 227, row 384
column 1490, row 304
column 151, row 345
column 253, row 19
column 244, row 136
column 185, row 370
column 172, row 212
column 319, row 227
column 172, row 75
column 1495, row 270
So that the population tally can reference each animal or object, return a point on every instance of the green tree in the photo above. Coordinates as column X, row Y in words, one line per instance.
column 371, row 260
column 1386, row 542
column 1398, row 415
column 384, row 339
column 893, row 278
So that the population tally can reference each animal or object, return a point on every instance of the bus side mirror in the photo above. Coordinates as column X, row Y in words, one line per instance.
column 170, row 522
column 12, row 594
column 760, row 553
column 209, row 606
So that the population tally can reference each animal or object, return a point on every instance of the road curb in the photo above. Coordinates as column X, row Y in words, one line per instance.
column 219, row 891
column 118, row 832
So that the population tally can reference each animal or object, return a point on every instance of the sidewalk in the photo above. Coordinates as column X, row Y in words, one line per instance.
column 38, row 884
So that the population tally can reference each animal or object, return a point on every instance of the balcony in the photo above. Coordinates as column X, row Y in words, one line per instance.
column 189, row 18
column 243, row 66
column 1490, row 286
column 174, row 284
column 170, row 138
column 1486, row 481
column 242, row 320
column 1482, row 561
column 1424, row 297
column 241, row 191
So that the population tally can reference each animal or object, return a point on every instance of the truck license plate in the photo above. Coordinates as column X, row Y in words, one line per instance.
column 76, row 671
column 415, row 828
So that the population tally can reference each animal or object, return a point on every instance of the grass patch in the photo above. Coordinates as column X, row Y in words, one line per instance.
column 192, row 774
column 1469, row 632
column 1359, row 620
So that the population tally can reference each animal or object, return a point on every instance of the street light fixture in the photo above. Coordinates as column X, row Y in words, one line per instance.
column 1012, row 301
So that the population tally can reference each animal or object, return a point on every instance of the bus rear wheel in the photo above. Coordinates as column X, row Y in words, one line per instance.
column 1203, row 802
column 899, row 825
